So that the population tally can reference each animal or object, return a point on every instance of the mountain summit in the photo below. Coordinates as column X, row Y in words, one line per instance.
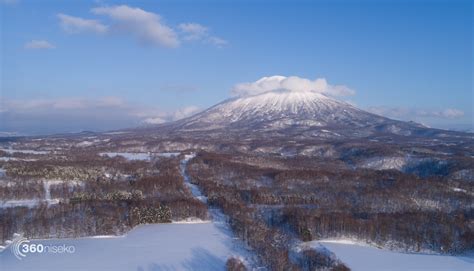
column 290, row 112
column 281, row 109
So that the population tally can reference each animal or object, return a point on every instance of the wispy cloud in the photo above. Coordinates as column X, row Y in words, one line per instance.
column 145, row 26
column 291, row 83
column 198, row 32
column 72, row 24
column 155, row 116
column 185, row 112
column 68, row 114
column 217, row 41
column 38, row 44
column 405, row 113
column 193, row 31
column 62, row 103
column 450, row 113
column 153, row 120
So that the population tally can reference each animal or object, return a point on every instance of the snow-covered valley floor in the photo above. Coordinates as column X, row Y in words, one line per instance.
column 361, row 257
column 175, row 246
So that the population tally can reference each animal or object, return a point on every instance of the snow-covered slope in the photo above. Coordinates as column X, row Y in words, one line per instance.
column 291, row 112
column 281, row 109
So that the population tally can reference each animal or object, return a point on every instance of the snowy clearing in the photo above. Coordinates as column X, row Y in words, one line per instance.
column 364, row 257
column 139, row 155
column 190, row 220
column 6, row 159
column 128, row 155
column 12, row 151
column 30, row 203
column 176, row 246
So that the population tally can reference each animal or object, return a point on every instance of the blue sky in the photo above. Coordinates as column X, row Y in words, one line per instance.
column 94, row 65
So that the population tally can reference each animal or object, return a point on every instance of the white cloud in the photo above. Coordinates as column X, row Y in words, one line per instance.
column 38, row 44
column 154, row 120
column 450, row 113
column 185, row 112
column 68, row 103
column 193, row 31
column 291, row 83
column 405, row 113
column 146, row 26
column 391, row 112
column 73, row 24
column 217, row 41
column 198, row 32
column 68, row 114
column 110, row 101
column 156, row 116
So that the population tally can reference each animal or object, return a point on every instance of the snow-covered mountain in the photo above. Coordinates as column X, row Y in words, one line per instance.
column 291, row 111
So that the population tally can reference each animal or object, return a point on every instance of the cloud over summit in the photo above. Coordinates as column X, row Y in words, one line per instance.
column 291, row 83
